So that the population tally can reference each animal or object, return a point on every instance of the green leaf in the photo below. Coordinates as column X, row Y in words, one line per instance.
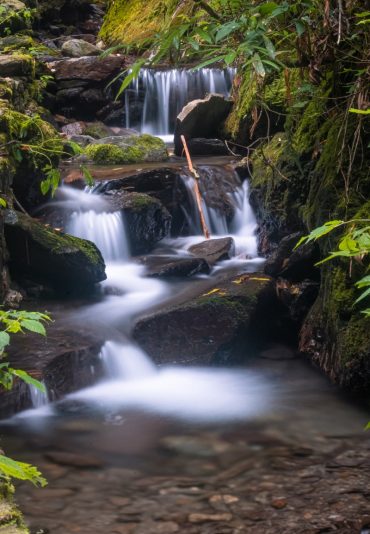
column 363, row 296
column 360, row 111
column 2, row 202
column 364, row 282
column 268, row 8
column 300, row 28
column 258, row 65
column 33, row 326
column 28, row 379
column 87, row 175
column 4, row 339
column 226, row 29
column 132, row 75
column 204, row 35
column 21, row 471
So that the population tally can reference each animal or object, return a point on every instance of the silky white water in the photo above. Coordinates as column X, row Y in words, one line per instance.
column 156, row 97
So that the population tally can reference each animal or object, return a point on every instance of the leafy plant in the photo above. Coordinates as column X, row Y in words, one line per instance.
column 354, row 245
column 13, row 322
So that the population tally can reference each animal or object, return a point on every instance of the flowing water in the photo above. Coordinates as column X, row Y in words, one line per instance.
column 156, row 97
column 148, row 450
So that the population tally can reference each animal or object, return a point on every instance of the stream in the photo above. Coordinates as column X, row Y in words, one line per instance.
column 261, row 446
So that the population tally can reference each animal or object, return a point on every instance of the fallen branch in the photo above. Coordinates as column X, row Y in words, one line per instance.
column 196, row 189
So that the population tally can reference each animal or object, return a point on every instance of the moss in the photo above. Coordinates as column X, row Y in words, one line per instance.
column 107, row 154
column 138, row 201
column 11, row 519
column 133, row 149
column 132, row 21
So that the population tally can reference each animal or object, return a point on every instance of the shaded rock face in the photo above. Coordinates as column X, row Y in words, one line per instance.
column 214, row 250
column 66, row 263
column 201, row 118
column 163, row 184
column 15, row 66
column 82, row 84
column 207, row 147
column 146, row 220
column 212, row 328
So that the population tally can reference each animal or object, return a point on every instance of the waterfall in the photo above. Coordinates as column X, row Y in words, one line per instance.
column 106, row 230
column 125, row 361
column 156, row 97
column 38, row 398
column 223, row 182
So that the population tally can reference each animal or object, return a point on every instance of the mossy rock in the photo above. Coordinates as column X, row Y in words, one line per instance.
column 97, row 130
column 44, row 255
column 14, row 16
column 127, row 149
column 11, row 519
column 214, row 327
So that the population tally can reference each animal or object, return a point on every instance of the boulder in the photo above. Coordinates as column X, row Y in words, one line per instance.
column 214, row 327
column 79, row 48
column 164, row 267
column 146, row 220
column 42, row 254
column 201, row 118
column 200, row 146
column 127, row 149
column 16, row 65
column 92, row 69
column 294, row 265
column 164, row 184
column 82, row 140
column 214, row 250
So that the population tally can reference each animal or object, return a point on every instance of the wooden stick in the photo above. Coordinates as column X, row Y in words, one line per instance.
column 198, row 196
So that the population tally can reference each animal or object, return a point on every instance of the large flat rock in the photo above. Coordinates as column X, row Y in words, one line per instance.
column 216, row 326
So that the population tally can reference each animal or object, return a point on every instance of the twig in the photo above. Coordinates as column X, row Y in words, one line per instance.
column 196, row 188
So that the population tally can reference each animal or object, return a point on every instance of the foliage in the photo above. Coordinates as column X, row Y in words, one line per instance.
column 13, row 322
column 354, row 245
column 21, row 471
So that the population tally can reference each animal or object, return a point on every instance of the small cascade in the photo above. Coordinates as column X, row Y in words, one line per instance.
column 127, row 362
column 222, row 195
column 105, row 229
column 38, row 398
column 156, row 97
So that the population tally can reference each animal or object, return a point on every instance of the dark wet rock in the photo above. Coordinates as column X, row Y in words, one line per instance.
column 15, row 65
column 79, row 48
column 162, row 267
column 147, row 221
column 298, row 297
column 164, row 184
column 294, row 265
column 213, row 327
column 207, row 147
column 66, row 263
column 201, row 118
column 214, row 250
column 92, row 69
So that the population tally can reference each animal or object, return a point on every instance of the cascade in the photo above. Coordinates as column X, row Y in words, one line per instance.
column 156, row 97
column 38, row 398
column 241, row 226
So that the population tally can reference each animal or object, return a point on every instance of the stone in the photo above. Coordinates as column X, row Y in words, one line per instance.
column 82, row 140
column 201, row 118
column 75, row 460
column 66, row 263
column 147, row 221
column 15, row 65
column 92, row 69
column 214, row 250
column 73, row 128
column 207, row 147
column 217, row 326
column 294, row 265
column 204, row 518
column 12, row 18
column 79, row 48
column 180, row 267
